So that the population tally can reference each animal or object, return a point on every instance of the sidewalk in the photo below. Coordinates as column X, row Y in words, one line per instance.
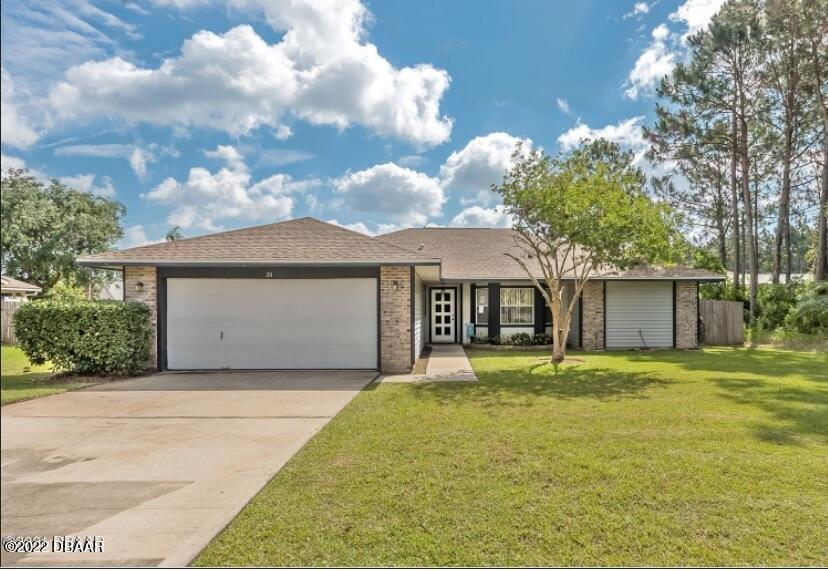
column 447, row 363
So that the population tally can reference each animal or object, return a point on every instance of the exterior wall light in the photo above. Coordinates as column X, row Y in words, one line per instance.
column 139, row 287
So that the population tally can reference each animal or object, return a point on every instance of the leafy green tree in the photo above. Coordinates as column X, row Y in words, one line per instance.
column 580, row 216
column 65, row 290
column 174, row 234
column 45, row 227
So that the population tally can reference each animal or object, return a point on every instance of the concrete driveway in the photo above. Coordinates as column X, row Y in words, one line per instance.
column 156, row 465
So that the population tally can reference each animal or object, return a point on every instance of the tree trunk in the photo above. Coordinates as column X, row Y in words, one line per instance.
column 558, row 346
column 722, row 240
column 721, row 234
column 734, row 202
column 816, row 37
column 752, row 254
column 821, row 272
column 783, row 224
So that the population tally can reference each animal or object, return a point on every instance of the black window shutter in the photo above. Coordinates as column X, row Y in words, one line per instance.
column 540, row 311
column 494, row 309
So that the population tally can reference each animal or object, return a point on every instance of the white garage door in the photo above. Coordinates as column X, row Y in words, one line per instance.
column 639, row 314
column 272, row 324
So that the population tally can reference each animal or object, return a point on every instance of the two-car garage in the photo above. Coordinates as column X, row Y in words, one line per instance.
column 220, row 323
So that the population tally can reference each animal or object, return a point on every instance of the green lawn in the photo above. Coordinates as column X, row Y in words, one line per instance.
column 654, row 458
column 18, row 385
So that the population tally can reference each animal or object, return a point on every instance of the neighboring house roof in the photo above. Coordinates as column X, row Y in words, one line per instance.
column 294, row 242
column 8, row 284
column 768, row 278
column 114, row 290
column 480, row 253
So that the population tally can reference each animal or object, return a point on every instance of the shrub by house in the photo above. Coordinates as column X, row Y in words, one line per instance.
column 93, row 337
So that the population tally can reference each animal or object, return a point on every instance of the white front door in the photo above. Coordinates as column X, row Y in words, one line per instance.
column 442, row 315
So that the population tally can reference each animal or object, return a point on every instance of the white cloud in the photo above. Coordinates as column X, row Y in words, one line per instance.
column 86, row 183
column 283, row 132
column 41, row 38
column 657, row 61
column 138, row 157
column 666, row 47
column 696, row 14
column 481, row 163
column 356, row 227
column 411, row 160
column 207, row 198
column 378, row 230
column 138, row 160
column 403, row 195
column 8, row 162
column 626, row 133
column 479, row 217
column 563, row 105
column 15, row 128
column 135, row 236
column 639, row 9
column 661, row 32
column 322, row 71
column 281, row 157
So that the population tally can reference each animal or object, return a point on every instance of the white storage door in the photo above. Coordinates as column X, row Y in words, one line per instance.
column 637, row 310
column 271, row 324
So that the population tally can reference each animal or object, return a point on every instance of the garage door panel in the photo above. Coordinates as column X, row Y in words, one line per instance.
column 639, row 314
column 264, row 324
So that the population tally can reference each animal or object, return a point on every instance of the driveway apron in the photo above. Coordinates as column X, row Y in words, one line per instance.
column 155, row 466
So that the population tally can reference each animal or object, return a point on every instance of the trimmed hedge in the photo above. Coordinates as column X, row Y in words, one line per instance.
column 91, row 337
column 517, row 340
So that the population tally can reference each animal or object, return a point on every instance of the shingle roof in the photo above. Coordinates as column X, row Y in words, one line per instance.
column 480, row 253
column 299, row 241
column 13, row 284
column 465, row 253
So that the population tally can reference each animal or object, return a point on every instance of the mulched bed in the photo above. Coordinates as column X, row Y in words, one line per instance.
column 422, row 362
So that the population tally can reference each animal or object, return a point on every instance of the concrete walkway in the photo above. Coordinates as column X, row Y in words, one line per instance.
column 156, row 465
column 447, row 363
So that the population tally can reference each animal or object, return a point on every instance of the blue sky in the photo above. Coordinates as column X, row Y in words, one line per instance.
column 212, row 115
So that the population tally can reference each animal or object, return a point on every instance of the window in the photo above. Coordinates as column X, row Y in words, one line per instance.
column 517, row 306
column 482, row 306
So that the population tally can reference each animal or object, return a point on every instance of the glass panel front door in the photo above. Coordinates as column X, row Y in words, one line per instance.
column 442, row 315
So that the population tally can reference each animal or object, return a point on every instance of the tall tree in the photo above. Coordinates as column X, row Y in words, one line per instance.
column 815, row 24
column 45, row 227
column 580, row 216
column 698, row 153
column 785, row 51
column 174, row 234
column 733, row 34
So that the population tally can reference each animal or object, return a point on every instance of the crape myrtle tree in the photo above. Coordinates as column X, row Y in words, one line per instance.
column 579, row 216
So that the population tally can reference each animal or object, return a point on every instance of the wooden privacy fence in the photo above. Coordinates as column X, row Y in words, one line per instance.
column 6, row 313
column 724, row 322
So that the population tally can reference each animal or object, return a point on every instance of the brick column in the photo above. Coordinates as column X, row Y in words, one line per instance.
column 395, row 319
column 592, row 298
column 687, row 321
column 145, row 275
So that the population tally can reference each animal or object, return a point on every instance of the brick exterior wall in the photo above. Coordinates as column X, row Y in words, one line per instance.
column 395, row 319
column 149, row 296
column 593, row 315
column 686, row 315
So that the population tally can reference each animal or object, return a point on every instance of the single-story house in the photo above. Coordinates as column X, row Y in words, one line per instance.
column 305, row 294
column 14, row 289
